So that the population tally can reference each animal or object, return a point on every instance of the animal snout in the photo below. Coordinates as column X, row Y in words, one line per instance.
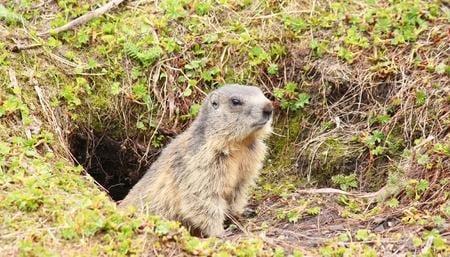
column 267, row 111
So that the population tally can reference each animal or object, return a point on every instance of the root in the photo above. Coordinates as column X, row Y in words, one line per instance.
column 378, row 196
column 329, row 190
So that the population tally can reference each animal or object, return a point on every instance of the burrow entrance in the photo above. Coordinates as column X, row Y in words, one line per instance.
column 117, row 165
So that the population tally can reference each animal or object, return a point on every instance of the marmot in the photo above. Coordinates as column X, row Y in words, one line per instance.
column 204, row 174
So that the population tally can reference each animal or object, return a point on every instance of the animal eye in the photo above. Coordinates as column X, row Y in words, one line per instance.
column 236, row 101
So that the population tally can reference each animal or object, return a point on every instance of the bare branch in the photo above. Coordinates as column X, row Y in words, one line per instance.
column 84, row 18
column 333, row 191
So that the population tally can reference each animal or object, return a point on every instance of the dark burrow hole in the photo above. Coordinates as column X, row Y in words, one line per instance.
column 117, row 165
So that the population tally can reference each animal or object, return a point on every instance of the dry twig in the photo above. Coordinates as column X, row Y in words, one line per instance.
column 334, row 191
column 85, row 18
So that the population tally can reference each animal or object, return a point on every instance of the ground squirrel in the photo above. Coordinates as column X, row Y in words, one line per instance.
column 204, row 174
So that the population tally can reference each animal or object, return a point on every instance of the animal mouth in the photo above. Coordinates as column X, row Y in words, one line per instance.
column 259, row 124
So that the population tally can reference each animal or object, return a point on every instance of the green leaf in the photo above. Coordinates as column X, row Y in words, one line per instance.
column 362, row 235
column 203, row 8
column 278, row 252
column 4, row 149
column 187, row 92
column 210, row 74
column 354, row 37
column 173, row 9
column 438, row 221
column 297, row 253
column 140, row 91
column 195, row 64
column 383, row 119
column 92, row 64
column 319, row 48
column 278, row 93
column 194, row 109
column 12, row 104
column 345, row 182
column 53, row 42
column 442, row 149
column 150, row 55
column 313, row 211
column 210, row 38
column 291, row 87
column 447, row 209
column 346, row 54
column 441, row 68
column 68, row 233
column 378, row 136
column 423, row 185
column 293, row 216
column 302, row 100
column 344, row 237
column 258, row 55
column 9, row 16
column 417, row 242
column 115, row 88
column 83, row 37
column 378, row 150
column 295, row 24
column 170, row 45
column 393, row 203
column 423, row 159
column 272, row 69
column 140, row 125
column 70, row 94
column 163, row 228
column 145, row 57
column 421, row 97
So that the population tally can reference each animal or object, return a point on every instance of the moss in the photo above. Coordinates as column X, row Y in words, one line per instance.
column 107, row 78
column 282, row 154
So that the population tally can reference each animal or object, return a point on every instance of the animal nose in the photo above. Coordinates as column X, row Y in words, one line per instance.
column 267, row 110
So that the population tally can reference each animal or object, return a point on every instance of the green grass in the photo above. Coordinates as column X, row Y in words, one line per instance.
column 358, row 86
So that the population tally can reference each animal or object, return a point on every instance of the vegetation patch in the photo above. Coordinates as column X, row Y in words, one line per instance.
column 360, row 90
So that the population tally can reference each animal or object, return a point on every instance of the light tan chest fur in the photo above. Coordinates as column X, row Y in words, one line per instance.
column 241, row 164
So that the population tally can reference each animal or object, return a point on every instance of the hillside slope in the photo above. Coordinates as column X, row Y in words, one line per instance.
column 362, row 97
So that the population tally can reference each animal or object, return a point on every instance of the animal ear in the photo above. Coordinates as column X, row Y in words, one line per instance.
column 214, row 100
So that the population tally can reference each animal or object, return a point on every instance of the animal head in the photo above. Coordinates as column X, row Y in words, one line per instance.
column 238, row 112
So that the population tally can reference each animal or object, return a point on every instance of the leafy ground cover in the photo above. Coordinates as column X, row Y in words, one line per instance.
column 362, row 95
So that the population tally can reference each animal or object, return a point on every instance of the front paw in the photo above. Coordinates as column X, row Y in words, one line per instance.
column 214, row 231
column 249, row 213
column 246, row 213
column 237, row 211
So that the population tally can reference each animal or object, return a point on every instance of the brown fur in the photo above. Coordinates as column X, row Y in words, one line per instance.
column 204, row 174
